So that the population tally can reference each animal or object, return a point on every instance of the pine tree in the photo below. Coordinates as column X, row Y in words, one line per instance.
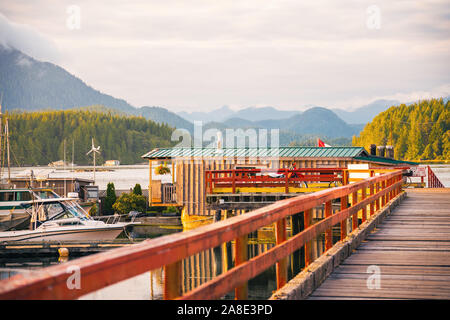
column 137, row 190
column 110, row 199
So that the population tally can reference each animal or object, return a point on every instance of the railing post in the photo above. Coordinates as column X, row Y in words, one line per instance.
column 233, row 188
column 372, row 192
column 383, row 198
column 388, row 194
column 286, row 187
column 364, row 210
column 328, row 233
column 307, row 222
column 378, row 201
column 281, row 266
column 241, row 292
column 172, row 280
column 355, row 215
column 344, row 201
column 296, row 228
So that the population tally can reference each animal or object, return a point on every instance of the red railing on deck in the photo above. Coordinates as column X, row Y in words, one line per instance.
column 103, row 269
column 433, row 181
column 262, row 178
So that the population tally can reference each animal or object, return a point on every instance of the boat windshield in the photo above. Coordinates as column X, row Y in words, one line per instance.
column 45, row 194
column 60, row 210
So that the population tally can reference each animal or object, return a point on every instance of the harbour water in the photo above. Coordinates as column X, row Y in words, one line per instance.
column 196, row 269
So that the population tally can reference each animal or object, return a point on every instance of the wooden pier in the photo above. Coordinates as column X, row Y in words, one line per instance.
column 410, row 249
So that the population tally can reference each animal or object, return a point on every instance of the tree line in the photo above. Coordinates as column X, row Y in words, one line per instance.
column 37, row 138
column 419, row 131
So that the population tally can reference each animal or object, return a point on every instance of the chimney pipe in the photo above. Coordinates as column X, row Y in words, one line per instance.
column 373, row 150
column 390, row 152
column 381, row 150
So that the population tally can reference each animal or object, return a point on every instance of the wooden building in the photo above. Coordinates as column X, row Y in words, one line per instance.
column 61, row 186
column 190, row 165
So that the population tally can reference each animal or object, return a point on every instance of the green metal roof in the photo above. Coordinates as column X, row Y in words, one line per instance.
column 281, row 152
column 384, row 160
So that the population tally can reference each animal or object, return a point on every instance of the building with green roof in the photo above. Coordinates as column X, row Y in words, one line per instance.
column 188, row 167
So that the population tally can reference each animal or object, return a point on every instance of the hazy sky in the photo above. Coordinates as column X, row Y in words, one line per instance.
column 198, row 55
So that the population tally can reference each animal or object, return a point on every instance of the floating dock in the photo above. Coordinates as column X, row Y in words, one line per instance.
column 51, row 248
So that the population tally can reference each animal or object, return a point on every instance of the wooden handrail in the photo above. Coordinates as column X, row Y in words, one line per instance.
column 103, row 269
column 239, row 178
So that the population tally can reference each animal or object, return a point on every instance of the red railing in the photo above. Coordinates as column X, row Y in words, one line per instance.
column 261, row 178
column 103, row 269
column 433, row 181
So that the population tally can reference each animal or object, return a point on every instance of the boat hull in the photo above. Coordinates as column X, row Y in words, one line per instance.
column 66, row 234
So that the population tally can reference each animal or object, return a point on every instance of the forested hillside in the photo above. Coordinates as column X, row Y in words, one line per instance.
column 37, row 138
column 417, row 131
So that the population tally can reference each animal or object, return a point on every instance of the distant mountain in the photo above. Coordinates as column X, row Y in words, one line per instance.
column 28, row 84
column 263, row 113
column 315, row 121
column 215, row 115
column 225, row 114
column 366, row 113
column 161, row 115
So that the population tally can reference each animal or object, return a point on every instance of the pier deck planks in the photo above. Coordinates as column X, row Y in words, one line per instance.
column 412, row 249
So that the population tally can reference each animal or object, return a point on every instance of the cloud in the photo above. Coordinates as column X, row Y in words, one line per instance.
column 204, row 54
column 27, row 40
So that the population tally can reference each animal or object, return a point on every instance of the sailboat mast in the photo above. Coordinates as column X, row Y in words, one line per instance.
column 64, row 165
column 94, row 167
column 7, row 150
column 73, row 149
column 1, row 135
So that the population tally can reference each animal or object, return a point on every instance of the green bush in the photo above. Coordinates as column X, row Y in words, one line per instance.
column 130, row 202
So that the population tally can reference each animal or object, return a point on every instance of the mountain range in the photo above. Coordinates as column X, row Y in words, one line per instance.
column 28, row 84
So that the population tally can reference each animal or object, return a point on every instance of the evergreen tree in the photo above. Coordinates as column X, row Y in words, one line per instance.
column 419, row 131
column 137, row 190
column 110, row 199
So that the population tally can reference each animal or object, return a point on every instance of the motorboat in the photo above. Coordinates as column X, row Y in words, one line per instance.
column 62, row 219
column 14, row 201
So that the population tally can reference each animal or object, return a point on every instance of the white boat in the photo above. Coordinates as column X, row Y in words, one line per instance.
column 62, row 219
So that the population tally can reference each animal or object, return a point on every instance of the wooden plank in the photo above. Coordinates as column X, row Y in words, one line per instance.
column 394, row 270
column 412, row 249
